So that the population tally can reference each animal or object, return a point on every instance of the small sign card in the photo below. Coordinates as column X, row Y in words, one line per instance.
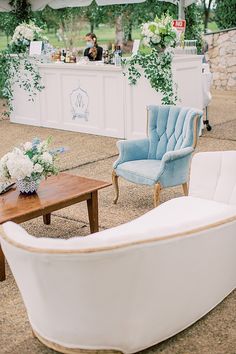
column 35, row 48
column 180, row 25
column 135, row 46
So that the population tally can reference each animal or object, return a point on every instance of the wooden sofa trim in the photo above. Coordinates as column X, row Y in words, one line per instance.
column 123, row 245
column 66, row 350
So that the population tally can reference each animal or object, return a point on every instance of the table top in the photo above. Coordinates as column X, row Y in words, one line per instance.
column 56, row 192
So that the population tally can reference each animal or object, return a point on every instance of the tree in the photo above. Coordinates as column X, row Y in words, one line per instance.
column 136, row 14
column 225, row 13
column 126, row 17
column 95, row 15
column 206, row 7
column 21, row 12
column 194, row 24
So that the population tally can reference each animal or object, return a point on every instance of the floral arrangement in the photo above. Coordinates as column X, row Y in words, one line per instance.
column 17, row 68
column 156, row 63
column 24, row 34
column 33, row 161
column 159, row 33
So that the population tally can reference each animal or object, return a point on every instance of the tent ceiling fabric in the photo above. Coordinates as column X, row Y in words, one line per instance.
column 57, row 4
column 4, row 6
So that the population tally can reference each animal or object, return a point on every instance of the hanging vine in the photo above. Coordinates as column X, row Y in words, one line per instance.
column 157, row 63
column 16, row 67
column 157, row 69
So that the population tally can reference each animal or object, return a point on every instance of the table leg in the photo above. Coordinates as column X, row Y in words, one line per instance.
column 47, row 219
column 92, row 205
column 2, row 266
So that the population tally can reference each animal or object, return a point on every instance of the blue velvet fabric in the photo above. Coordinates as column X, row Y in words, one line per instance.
column 170, row 128
column 140, row 171
column 165, row 155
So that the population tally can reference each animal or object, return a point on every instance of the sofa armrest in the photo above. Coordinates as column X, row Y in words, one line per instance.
column 130, row 150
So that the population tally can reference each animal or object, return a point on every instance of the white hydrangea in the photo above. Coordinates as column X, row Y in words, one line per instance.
column 159, row 33
column 146, row 31
column 29, row 162
column 146, row 41
column 27, row 32
column 27, row 146
column 38, row 168
column 46, row 158
column 19, row 165
column 156, row 39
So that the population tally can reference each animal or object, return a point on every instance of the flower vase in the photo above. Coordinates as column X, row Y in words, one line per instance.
column 27, row 186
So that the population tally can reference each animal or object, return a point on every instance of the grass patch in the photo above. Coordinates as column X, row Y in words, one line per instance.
column 105, row 34
column 213, row 26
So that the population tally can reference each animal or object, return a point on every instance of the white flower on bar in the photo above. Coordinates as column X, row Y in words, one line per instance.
column 156, row 39
column 27, row 32
column 159, row 34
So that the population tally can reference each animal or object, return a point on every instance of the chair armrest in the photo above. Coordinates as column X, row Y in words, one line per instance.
column 177, row 154
column 174, row 167
column 130, row 150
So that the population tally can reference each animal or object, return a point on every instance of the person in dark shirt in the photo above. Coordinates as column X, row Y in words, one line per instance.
column 92, row 51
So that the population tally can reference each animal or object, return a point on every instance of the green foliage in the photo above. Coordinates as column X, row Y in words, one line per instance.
column 157, row 69
column 194, row 25
column 225, row 13
column 21, row 12
column 12, row 67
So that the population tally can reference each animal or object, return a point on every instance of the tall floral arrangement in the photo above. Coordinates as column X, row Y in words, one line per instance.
column 159, row 36
column 24, row 34
column 15, row 65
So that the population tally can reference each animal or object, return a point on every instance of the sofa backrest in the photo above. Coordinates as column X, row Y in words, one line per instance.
column 213, row 176
column 171, row 128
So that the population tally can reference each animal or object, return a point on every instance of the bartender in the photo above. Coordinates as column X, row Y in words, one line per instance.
column 92, row 51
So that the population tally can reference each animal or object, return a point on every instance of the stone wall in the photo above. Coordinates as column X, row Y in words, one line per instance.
column 222, row 58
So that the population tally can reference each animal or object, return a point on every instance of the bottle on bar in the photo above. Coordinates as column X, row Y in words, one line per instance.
column 67, row 59
column 117, row 55
column 112, row 54
column 63, row 56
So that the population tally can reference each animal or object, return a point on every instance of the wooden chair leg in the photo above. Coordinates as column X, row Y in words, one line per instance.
column 116, row 186
column 157, row 191
column 185, row 188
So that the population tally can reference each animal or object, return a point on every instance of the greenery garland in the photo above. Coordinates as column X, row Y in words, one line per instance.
column 18, row 69
column 157, row 67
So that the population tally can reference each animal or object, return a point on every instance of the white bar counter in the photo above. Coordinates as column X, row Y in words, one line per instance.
column 96, row 98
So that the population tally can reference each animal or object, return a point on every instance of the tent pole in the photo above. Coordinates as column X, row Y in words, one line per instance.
column 181, row 9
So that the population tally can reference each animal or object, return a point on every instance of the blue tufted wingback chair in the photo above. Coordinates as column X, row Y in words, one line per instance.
column 163, row 158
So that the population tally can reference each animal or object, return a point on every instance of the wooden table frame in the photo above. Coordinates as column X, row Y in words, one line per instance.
column 73, row 189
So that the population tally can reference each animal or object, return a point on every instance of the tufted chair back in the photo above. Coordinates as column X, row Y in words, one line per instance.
column 170, row 128
column 220, row 184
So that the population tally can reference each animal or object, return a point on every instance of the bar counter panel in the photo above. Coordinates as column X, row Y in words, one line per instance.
column 98, row 99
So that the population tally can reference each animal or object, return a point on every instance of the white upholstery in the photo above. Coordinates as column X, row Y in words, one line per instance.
column 213, row 176
column 135, row 285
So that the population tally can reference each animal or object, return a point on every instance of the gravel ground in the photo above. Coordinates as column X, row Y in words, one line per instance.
column 92, row 156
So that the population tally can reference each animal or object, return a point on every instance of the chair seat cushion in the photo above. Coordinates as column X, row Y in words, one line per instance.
column 140, row 171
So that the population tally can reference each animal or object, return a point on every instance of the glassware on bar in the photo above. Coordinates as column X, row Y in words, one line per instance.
column 190, row 46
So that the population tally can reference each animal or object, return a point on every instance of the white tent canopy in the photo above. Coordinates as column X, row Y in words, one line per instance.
column 57, row 4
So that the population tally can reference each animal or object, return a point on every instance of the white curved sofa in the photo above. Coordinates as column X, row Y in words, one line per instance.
column 132, row 286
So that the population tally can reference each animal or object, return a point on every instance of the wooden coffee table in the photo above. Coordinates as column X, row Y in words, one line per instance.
column 55, row 193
